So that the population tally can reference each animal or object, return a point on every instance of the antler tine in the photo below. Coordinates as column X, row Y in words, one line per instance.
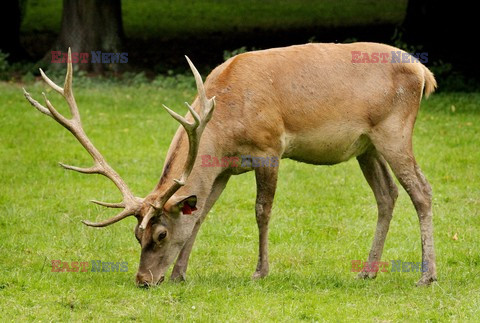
column 130, row 203
column 199, row 82
column 187, row 125
column 122, row 215
column 68, row 89
column 36, row 104
column 50, row 82
column 206, row 104
column 194, row 132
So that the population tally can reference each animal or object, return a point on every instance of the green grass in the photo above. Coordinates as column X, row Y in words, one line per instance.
column 166, row 19
column 323, row 218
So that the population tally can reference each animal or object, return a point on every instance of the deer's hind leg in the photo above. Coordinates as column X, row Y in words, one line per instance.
column 393, row 140
column 376, row 173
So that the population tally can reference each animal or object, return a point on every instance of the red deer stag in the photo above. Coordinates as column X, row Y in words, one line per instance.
column 311, row 103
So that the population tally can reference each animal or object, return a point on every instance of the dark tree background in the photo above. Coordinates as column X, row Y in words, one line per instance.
column 446, row 30
column 10, row 21
column 91, row 25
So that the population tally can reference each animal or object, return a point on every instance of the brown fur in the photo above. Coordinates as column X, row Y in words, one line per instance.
column 312, row 104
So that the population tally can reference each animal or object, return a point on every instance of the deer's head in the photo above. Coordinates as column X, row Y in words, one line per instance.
column 165, row 220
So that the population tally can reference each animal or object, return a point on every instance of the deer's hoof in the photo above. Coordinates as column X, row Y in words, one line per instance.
column 426, row 280
column 259, row 274
column 178, row 277
column 366, row 275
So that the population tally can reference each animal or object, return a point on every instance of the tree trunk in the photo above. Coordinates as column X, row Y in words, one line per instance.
column 91, row 25
column 10, row 20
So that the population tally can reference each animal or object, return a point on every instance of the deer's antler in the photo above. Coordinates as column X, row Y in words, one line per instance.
column 194, row 132
column 131, row 205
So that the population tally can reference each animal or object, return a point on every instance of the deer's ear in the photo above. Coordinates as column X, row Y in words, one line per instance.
column 184, row 204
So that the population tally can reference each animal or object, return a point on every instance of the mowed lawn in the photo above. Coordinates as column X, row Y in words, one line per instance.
column 323, row 218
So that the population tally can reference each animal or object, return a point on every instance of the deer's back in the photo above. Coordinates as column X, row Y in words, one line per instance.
column 310, row 102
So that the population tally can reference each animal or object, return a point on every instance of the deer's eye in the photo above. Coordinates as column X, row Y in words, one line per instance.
column 162, row 235
column 159, row 233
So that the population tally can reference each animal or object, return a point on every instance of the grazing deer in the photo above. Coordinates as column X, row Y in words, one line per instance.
column 311, row 103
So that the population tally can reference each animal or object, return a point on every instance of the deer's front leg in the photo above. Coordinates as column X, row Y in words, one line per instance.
column 266, row 178
column 180, row 268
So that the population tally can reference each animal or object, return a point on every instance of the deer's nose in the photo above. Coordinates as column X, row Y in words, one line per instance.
column 146, row 280
column 143, row 280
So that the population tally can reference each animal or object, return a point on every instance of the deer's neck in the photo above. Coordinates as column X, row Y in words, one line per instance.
column 201, row 180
